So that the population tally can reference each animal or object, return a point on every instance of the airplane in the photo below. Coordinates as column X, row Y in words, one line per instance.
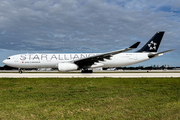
column 87, row 61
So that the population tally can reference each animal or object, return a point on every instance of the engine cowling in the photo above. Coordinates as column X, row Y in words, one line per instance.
column 67, row 66
column 96, row 65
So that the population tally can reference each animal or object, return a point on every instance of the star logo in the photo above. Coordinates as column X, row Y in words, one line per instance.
column 152, row 45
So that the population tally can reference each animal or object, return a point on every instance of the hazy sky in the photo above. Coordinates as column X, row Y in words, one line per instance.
column 64, row 26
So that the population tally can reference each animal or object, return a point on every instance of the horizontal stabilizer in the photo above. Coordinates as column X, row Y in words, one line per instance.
column 151, row 55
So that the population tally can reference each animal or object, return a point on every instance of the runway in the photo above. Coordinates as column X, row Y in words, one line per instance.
column 87, row 75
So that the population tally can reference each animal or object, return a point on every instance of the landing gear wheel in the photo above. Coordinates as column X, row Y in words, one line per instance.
column 87, row 71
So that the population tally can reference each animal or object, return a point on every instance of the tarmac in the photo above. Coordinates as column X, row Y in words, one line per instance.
column 88, row 75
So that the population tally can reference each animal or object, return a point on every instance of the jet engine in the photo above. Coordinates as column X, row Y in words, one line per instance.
column 67, row 66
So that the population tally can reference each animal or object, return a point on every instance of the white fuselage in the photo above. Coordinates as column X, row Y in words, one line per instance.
column 52, row 60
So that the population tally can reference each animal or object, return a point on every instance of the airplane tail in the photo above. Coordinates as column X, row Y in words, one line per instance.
column 153, row 44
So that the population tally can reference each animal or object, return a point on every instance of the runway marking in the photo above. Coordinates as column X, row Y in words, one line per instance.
column 87, row 75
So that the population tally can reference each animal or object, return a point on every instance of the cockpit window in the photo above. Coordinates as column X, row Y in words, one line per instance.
column 8, row 58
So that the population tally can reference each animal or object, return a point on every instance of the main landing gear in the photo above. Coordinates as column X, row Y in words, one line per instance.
column 20, row 70
column 87, row 71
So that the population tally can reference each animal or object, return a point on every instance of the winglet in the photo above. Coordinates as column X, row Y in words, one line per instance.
column 135, row 45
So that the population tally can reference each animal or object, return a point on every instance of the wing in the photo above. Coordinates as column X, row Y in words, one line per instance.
column 87, row 62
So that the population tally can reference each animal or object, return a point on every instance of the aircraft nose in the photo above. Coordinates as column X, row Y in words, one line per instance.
column 4, row 61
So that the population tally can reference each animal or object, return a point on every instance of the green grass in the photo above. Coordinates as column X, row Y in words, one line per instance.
column 90, row 98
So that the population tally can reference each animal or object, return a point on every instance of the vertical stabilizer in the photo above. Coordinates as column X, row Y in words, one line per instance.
column 153, row 44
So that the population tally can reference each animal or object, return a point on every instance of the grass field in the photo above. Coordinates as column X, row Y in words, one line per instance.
column 90, row 98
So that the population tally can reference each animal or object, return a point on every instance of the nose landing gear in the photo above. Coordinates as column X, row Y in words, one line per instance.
column 20, row 71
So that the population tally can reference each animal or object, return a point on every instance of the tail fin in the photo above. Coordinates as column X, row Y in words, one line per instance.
column 153, row 44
